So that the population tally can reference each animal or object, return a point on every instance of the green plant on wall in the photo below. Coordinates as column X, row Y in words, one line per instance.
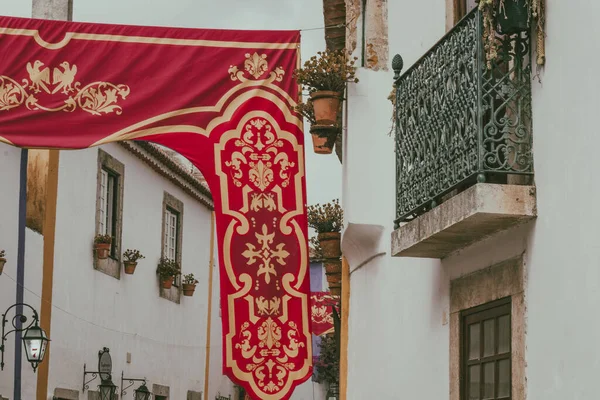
column 327, row 365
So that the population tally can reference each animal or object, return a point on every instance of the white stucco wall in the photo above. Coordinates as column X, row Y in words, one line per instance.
column 407, row 299
column 93, row 310
column 398, row 344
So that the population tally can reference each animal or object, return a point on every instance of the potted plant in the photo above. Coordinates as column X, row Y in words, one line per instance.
column 509, row 17
column 189, row 284
column 131, row 259
column 315, row 246
column 327, row 220
column 323, row 136
column 167, row 270
column 325, row 76
column 2, row 260
column 102, row 244
column 327, row 365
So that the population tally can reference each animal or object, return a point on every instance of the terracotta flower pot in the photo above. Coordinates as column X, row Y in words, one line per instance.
column 512, row 16
column 188, row 289
column 330, row 244
column 333, row 266
column 2, row 262
column 326, row 105
column 334, row 278
column 323, row 138
column 129, row 267
column 167, row 283
column 335, row 290
column 102, row 250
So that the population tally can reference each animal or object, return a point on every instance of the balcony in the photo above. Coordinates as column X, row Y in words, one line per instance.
column 464, row 160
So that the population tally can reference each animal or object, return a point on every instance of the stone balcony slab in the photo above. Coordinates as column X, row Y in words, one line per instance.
column 470, row 216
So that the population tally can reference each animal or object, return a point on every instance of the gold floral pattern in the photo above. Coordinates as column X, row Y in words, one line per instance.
column 259, row 150
column 266, row 254
column 256, row 66
column 270, row 357
column 95, row 98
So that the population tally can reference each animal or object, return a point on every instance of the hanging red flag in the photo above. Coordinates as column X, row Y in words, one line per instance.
column 223, row 99
column 321, row 311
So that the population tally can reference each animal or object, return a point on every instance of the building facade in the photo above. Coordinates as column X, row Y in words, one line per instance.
column 479, row 290
column 136, row 193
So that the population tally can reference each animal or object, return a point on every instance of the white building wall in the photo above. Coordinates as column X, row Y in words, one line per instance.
column 93, row 310
column 406, row 355
column 398, row 332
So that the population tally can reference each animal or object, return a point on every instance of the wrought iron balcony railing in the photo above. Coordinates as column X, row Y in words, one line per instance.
column 459, row 122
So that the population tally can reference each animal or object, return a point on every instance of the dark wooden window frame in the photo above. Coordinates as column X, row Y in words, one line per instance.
column 112, row 265
column 175, row 206
column 494, row 309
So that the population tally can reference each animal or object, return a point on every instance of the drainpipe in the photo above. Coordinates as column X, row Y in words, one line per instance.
column 20, row 270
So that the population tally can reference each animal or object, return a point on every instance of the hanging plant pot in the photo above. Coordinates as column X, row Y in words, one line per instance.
column 326, row 105
column 102, row 250
column 2, row 262
column 188, row 289
column 323, row 137
column 512, row 16
column 333, row 267
column 330, row 244
column 167, row 283
column 335, row 289
column 130, row 267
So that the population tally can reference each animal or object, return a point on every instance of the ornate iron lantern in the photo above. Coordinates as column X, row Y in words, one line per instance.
column 142, row 393
column 35, row 340
column 107, row 390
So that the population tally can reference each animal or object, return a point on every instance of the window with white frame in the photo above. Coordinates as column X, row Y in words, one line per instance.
column 109, row 201
column 172, row 230
column 170, row 240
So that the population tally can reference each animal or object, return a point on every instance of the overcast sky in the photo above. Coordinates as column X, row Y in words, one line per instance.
column 323, row 171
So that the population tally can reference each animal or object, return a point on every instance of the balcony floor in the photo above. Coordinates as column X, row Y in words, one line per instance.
column 466, row 218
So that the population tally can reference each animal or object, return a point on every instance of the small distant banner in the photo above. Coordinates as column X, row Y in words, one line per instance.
column 321, row 312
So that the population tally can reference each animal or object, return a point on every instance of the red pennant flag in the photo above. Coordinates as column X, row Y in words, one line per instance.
column 223, row 99
column 321, row 312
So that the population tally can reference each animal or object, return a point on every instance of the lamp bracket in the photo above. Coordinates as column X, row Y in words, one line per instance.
column 17, row 323
column 131, row 383
column 86, row 384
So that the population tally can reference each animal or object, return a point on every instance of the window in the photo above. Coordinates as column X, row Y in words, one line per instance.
column 486, row 348
column 171, row 239
column 109, row 214
column 108, row 205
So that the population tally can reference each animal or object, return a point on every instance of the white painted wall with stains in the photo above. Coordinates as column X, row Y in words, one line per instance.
column 399, row 332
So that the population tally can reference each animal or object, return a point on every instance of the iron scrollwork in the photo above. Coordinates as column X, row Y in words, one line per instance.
column 17, row 323
column 131, row 383
column 458, row 122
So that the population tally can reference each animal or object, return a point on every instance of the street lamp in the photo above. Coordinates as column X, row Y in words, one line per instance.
column 107, row 389
column 35, row 340
column 142, row 393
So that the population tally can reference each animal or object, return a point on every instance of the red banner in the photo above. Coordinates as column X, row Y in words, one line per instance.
column 223, row 99
column 321, row 311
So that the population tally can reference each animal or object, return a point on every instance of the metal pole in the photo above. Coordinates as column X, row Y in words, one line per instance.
column 20, row 270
